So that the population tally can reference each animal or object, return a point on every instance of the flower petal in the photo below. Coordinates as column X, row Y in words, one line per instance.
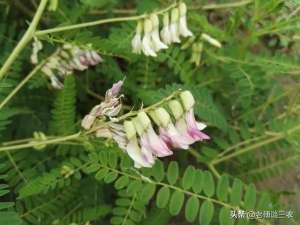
column 135, row 153
column 157, row 145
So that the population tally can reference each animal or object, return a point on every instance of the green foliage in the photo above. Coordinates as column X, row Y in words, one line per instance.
column 7, row 214
column 63, row 114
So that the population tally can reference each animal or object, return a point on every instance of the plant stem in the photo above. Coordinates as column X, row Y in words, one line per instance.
column 225, row 5
column 214, row 170
column 46, row 142
column 257, row 145
column 98, row 22
column 24, row 40
column 21, row 84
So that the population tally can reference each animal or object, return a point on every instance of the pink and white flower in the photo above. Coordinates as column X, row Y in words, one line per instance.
column 150, row 140
column 141, row 156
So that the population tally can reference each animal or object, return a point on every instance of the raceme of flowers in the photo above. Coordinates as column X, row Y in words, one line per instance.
column 64, row 61
column 149, row 40
column 151, row 133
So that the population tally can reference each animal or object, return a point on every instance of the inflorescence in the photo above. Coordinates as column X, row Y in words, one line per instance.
column 149, row 40
column 64, row 61
column 149, row 133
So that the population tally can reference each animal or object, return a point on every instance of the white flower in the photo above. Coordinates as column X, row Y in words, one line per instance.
column 165, row 33
column 211, row 40
column 147, row 45
column 136, row 42
column 157, row 44
column 183, row 29
column 174, row 25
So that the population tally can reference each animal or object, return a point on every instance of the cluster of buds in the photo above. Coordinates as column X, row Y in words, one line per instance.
column 64, row 61
column 149, row 40
column 153, row 132
column 197, row 46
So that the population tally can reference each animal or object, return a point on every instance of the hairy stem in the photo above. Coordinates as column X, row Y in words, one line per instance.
column 24, row 40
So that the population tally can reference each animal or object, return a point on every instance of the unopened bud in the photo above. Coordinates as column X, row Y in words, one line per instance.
column 176, row 109
column 53, row 5
column 38, row 137
column 139, row 27
column 147, row 26
column 154, row 117
column 174, row 15
column 88, row 121
column 163, row 116
column 129, row 129
column 211, row 40
column 187, row 99
column 188, row 43
column 154, row 19
column 138, row 126
column 182, row 9
column 166, row 20
column 144, row 120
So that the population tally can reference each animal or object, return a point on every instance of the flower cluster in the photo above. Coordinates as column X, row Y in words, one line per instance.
column 149, row 40
column 152, row 132
column 64, row 61
column 178, row 130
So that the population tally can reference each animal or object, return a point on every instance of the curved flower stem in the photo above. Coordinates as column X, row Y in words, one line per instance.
column 21, row 84
column 257, row 145
column 98, row 22
column 24, row 40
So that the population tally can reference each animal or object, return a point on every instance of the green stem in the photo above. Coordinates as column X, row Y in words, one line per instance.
column 24, row 40
column 46, row 142
column 226, row 5
column 21, row 84
column 214, row 171
column 98, row 22
column 257, row 145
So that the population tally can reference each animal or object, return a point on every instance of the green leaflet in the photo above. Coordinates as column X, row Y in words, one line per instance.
column 173, row 172
column 162, row 197
column 192, row 209
column 176, row 202
column 206, row 213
